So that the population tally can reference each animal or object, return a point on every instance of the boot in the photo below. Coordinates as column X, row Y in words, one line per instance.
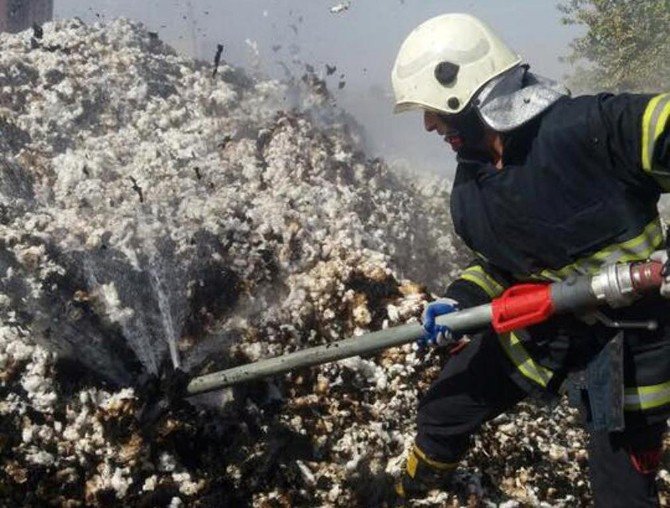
column 422, row 474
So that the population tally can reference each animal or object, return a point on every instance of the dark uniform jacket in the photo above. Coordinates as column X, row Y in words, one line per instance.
column 579, row 189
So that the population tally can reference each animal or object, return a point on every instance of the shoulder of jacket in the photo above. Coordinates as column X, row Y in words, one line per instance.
column 573, row 118
column 576, row 108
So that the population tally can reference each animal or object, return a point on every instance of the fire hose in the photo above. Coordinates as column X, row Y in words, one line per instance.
column 520, row 306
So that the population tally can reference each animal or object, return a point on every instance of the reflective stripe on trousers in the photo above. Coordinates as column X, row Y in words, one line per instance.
column 636, row 398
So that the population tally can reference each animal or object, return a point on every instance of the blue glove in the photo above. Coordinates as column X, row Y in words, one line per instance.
column 434, row 334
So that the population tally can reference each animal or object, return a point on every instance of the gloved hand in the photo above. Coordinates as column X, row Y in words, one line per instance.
column 434, row 334
column 662, row 257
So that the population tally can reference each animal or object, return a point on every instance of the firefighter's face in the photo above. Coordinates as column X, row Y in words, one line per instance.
column 434, row 122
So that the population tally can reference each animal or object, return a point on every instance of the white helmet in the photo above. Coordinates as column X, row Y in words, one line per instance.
column 445, row 61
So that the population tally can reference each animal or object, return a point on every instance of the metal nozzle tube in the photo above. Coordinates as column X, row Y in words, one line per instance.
column 464, row 320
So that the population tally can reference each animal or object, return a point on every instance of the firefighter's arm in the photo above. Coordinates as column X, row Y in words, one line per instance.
column 639, row 135
column 655, row 150
column 478, row 284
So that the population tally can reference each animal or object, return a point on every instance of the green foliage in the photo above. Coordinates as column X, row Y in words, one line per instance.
column 626, row 45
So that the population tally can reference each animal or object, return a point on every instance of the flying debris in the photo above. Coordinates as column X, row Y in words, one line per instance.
column 342, row 82
column 330, row 69
column 217, row 58
column 38, row 33
column 341, row 7
column 137, row 188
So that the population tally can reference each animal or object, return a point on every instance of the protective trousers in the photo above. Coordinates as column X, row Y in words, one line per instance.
column 475, row 387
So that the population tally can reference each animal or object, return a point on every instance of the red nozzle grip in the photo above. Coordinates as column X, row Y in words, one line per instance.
column 522, row 305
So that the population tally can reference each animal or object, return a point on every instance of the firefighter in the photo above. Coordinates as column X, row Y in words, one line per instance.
column 547, row 186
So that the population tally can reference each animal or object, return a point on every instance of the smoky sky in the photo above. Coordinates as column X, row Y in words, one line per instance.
column 360, row 42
